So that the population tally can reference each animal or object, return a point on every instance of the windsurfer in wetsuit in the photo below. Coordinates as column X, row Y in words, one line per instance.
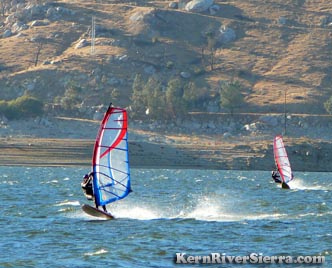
column 277, row 179
column 88, row 188
column 276, row 176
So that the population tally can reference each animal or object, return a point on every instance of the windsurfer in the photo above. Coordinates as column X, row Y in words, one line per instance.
column 276, row 176
column 87, row 186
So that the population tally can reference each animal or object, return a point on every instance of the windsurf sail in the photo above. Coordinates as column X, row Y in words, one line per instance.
column 110, row 158
column 281, row 160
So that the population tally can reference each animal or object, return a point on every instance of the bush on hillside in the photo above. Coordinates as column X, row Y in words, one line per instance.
column 175, row 101
column 231, row 96
column 72, row 96
column 328, row 105
column 138, row 101
column 150, row 98
column 154, row 97
column 22, row 107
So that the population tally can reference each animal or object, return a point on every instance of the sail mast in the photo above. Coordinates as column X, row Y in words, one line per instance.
column 285, row 115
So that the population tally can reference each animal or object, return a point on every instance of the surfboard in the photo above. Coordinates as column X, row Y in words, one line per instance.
column 92, row 211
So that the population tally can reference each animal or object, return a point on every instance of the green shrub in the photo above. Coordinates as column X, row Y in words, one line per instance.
column 231, row 96
column 169, row 64
column 164, row 102
column 176, row 103
column 22, row 107
column 138, row 102
column 328, row 105
column 197, row 70
column 195, row 95
column 72, row 96
column 154, row 98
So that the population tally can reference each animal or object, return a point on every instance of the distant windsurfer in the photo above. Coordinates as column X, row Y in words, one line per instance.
column 276, row 176
column 277, row 179
column 87, row 188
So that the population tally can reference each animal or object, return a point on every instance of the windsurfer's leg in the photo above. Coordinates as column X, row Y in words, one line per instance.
column 104, row 208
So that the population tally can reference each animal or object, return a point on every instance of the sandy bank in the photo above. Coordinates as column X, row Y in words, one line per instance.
column 69, row 142
column 245, row 155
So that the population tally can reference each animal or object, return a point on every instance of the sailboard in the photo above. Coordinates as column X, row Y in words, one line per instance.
column 95, row 212
column 282, row 161
column 110, row 162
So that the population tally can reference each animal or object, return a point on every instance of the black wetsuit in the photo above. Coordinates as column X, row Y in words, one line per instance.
column 87, row 187
column 276, row 177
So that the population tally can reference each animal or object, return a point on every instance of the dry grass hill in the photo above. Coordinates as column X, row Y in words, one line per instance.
column 280, row 46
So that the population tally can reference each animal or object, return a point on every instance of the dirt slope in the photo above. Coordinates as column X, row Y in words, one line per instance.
column 281, row 46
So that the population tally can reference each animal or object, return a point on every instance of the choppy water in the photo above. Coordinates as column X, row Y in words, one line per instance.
column 193, row 211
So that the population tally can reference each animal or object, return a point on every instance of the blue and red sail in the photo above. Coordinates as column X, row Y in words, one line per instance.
column 110, row 158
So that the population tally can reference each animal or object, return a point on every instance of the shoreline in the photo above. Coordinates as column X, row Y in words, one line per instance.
column 60, row 141
column 231, row 155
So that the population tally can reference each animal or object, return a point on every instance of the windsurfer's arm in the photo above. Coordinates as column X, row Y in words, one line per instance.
column 84, row 184
column 89, row 181
column 86, row 180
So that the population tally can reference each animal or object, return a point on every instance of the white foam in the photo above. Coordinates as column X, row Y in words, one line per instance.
column 299, row 184
column 212, row 209
column 139, row 212
column 98, row 252
column 68, row 203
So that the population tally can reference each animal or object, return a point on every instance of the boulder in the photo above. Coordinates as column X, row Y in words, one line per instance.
column 81, row 43
column 226, row 35
column 199, row 5
column 173, row 5
column 7, row 33
column 185, row 75
column 39, row 23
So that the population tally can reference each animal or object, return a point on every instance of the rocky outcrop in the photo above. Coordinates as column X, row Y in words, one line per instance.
column 199, row 5
column 28, row 14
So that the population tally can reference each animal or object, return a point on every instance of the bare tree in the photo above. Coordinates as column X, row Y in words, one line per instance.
column 39, row 48
column 211, row 42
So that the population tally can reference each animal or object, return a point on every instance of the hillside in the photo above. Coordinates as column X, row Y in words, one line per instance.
column 280, row 47
column 280, row 51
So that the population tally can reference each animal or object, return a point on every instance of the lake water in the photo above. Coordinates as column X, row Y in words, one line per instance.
column 197, row 212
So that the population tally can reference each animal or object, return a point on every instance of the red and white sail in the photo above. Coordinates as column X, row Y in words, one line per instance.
column 281, row 159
